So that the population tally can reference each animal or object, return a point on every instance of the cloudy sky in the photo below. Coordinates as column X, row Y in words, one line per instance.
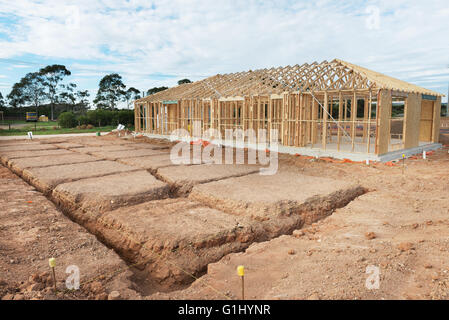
column 155, row 43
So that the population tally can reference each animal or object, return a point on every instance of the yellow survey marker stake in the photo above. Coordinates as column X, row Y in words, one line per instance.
column 52, row 263
column 241, row 273
column 403, row 163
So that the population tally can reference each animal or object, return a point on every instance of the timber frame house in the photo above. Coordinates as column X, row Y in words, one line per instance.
column 322, row 109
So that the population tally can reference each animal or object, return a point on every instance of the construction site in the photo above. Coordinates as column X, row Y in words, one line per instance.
column 335, row 109
column 355, row 190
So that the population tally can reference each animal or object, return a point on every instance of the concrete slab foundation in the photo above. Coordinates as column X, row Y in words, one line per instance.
column 319, row 152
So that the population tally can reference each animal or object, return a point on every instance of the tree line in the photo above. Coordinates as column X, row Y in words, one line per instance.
column 46, row 90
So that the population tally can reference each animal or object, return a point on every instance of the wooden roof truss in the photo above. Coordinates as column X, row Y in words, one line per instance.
column 336, row 75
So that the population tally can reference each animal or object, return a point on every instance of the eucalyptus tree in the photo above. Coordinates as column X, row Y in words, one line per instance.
column 130, row 95
column 53, row 75
column 111, row 90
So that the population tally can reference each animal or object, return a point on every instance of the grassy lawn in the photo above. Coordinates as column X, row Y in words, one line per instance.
column 51, row 128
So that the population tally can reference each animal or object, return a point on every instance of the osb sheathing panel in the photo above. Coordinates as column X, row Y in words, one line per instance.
column 426, row 122
column 436, row 120
column 411, row 121
column 383, row 121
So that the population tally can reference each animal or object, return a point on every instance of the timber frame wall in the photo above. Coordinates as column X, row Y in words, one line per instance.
column 329, row 105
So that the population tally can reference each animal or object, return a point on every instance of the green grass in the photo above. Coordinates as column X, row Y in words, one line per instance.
column 39, row 124
column 6, row 122
column 48, row 129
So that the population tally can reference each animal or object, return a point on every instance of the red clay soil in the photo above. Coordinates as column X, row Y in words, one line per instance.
column 172, row 239
column 68, row 145
column 183, row 178
column 32, row 231
column 138, row 145
column 96, row 141
column 27, row 147
column 160, row 233
column 91, row 150
column 4, row 143
column 18, row 165
column 151, row 163
column 54, row 140
column 400, row 227
column 266, row 196
column 46, row 179
column 84, row 200
column 5, row 156
column 115, row 155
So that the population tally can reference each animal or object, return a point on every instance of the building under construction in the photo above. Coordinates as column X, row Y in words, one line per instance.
column 332, row 109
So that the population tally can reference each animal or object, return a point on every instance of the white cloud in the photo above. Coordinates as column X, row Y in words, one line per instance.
column 199, row 38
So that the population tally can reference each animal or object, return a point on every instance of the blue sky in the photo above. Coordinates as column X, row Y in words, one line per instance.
column 155, row 43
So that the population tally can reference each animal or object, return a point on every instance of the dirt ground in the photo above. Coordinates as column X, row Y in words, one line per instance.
column 32, row 230
column 313, row 231
column 400, row 226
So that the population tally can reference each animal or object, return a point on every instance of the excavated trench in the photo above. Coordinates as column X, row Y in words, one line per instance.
column 169, row 223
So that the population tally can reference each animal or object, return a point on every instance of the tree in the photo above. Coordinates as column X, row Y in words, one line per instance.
column 29, row 90
column 68, row 94
column 15, row 97
column 156, row 89
column 130, row 95
column 111, row 90
column 53, row 75
column 67, row 120
column 83, row 100
column 2, row 100
column 33, row 89
column 184, row 81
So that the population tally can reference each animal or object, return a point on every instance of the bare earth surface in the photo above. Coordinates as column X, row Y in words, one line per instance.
column 31, row 231
column 400, row 226
column 312, row 231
